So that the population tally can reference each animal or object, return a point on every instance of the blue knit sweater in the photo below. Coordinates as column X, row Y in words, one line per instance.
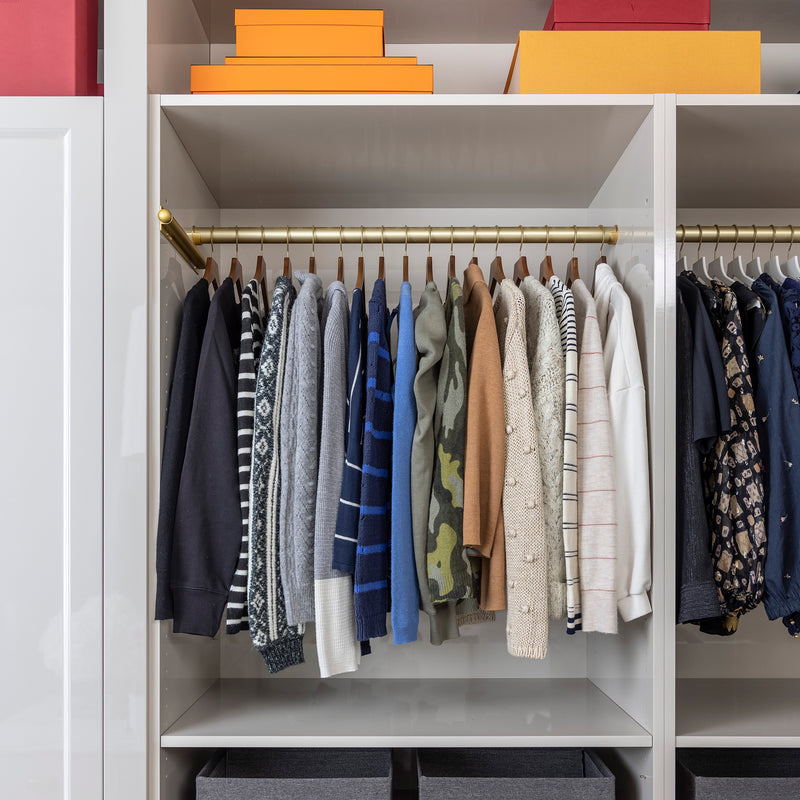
column 372, row 551
column 405, row 594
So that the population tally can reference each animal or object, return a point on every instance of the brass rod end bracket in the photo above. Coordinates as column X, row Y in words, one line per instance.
column 174, row 233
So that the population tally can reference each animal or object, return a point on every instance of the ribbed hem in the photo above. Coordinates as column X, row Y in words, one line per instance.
column 476, row 617
column 283, row 653
column 557, row 599
column 236, row 626
column 599, row 613
column 530, row 651
column 634, row 606
column 198, row 611
column 698, row 601
column 302, row 611
column 370, row 626
column 405, row 634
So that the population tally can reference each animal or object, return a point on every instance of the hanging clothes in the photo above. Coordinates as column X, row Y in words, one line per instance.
column 702, row 402
column 734, row 484
column 404, row 592
column 430, row 335
column 778, row 415
column 207, row 521
column 179, row 413
column 485, row 443
column 627, row 407
column 565, row 310
column 523, row 510
column 337, row 647
column 249, row 355
column 279, row 644
column 546, row 369
column 449, row 577
column 300, row 421
column 374, row 528
column 789, row 296
column 597, row 505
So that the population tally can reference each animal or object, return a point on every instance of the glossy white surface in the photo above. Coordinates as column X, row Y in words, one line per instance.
column 729, row 712
column 51, row 445
column 405, row 713
column 444, row 150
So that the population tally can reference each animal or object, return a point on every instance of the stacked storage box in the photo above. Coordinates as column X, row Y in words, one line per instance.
column 311, row 52
column 637, row 46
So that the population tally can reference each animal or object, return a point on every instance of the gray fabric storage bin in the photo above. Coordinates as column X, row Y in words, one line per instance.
column 533, row 774
column 297, row 774
column 749, row 774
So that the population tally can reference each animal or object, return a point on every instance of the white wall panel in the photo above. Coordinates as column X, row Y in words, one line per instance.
column 51, row 443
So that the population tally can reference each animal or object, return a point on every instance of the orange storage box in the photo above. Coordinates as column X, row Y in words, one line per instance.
column 312, row 79
column 297, row 62
column 636, row 62
column 291, row 33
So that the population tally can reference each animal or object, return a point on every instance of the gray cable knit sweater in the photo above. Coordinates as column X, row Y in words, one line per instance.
column 300, row 421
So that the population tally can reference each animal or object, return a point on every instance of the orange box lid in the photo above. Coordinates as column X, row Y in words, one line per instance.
column 317, row 60
column 308, row 16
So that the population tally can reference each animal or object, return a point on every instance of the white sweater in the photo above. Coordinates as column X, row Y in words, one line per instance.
column 597, row 512
column 626, row 400
column 523, row 515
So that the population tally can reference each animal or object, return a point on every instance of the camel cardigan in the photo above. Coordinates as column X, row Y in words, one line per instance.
column 485, row 442
column 523, row 513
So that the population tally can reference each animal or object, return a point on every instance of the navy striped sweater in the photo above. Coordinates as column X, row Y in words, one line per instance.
column 372, row 552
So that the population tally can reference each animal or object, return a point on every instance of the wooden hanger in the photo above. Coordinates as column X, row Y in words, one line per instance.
column 496, row 274
column 312, row 261
column 340, row 261
column 381, row 267
column 429, row 261
column 546, row 267
column 287, row 264
column 572, row 266
column 261, row 268
column 381, row 260
column 451, row 263
column 601, row 259
column 405, row 259
column 521, row 265
column 211, row 273
column 474, row 259
column 236, row 267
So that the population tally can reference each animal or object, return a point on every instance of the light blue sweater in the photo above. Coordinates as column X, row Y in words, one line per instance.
column 404, row 594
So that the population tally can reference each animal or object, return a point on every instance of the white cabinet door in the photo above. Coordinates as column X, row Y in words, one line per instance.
column 51, row 468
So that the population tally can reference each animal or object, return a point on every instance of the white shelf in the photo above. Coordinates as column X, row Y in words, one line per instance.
column 738, row 151
column 405, row 713
column 742, row 712
column 448, row 151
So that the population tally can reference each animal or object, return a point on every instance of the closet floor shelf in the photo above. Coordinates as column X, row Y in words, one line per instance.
column 362, row 712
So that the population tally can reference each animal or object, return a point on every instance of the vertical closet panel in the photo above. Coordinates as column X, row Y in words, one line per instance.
column 187, row 665
column 51, row 439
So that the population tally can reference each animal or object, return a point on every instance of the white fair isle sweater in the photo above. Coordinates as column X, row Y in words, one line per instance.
column 338, row 649
column 546, row 367
column 597, row 507
column 523, row 513
column 627, row 404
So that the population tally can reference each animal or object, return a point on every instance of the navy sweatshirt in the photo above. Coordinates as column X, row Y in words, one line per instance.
column 179, row 412
column 207, row 520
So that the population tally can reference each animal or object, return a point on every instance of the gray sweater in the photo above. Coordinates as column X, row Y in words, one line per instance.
column 300, row 422
column 338, row 649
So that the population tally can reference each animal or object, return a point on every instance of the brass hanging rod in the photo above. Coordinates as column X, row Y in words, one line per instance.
column 186, row 242
column 743, row 234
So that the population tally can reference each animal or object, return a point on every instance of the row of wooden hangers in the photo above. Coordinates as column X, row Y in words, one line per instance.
column 736, row 269
column 496, row 274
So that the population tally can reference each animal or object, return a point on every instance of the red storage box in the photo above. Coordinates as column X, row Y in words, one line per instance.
column 629, row 15
column 48, row 47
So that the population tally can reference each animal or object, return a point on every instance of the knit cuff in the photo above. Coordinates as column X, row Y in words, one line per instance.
column 528, row 651
column 476, row 617
column 370, row 626
column 283, row 653
column 599, row 612
column 634, row 606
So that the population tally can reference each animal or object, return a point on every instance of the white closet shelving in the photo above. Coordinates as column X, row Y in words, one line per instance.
column 737, row 163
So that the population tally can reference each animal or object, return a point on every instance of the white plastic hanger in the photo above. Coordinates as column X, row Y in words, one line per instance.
column 716, row 269
column 773, row 267
column 753, row 268
column 792, row 266
column 683, row 262
column 736, row 265
column 700, row 267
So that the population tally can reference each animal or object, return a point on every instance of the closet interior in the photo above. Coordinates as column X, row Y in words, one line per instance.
column 737, row 165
